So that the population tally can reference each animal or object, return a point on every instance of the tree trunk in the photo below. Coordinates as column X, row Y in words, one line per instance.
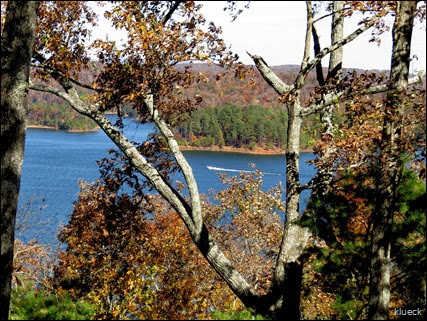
column 16, row 49
column 288, row 271
column 335, row 59
column 295, row 237
column 284, row 299
column 326, row 114
column 200, row 236
column 390, row 165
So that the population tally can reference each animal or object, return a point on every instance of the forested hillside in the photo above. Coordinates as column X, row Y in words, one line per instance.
column 235, row 126
column 216, row 91
column 235, row 112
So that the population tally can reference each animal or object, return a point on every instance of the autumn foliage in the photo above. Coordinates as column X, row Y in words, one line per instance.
column 343, row 216
column 132, row 257
column 248, row 222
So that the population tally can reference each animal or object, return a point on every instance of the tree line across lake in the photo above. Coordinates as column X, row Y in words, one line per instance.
column 235, row 126
column 229, row 125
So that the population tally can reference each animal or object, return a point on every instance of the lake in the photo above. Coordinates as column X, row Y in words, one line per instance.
column 54, row 161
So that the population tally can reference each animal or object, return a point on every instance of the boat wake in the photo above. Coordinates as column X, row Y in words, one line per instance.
column 213, row 168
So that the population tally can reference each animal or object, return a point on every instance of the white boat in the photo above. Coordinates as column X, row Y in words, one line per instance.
column 213, row 168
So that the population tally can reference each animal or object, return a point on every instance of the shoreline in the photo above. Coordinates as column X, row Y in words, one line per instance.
column 241, row 150
column 65, row 130
column 225, row 149
column 229, row 149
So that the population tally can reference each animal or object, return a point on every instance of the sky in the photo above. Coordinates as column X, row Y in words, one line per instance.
column 275, row 30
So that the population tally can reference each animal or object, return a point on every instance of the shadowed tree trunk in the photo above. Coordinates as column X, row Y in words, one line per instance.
column 16, row 50
column 334, row 71
column 390, row 164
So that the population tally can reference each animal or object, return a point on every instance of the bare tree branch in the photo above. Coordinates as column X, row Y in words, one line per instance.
column 337, row 28
column 270, row 77
column 307, row 42
column 304, row 72
column 319, row 68
column 332, row 13
column 182, row 162
column 140, row 163
column 53, row 71
column 170, row 12
column 198, row 231
column 333, row 98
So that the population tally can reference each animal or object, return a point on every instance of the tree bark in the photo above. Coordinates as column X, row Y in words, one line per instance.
column 197, row 229
column 288, row 271
column 326, row 114
column 16, row 50
column 335, row 59
column 285, row 294
column 390, row 164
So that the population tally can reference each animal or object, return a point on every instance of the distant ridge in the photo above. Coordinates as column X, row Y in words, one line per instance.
column 216, row 93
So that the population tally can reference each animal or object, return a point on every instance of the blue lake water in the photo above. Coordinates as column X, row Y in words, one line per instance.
column 54, row 161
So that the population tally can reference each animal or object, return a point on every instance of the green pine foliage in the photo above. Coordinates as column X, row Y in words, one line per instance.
column 410, row 245
column 235, row 126
column 344, row 264
column 30, row 304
